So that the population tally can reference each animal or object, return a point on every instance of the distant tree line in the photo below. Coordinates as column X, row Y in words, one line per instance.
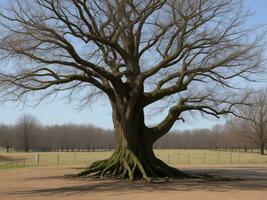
column 29, row 135
column 219, row 137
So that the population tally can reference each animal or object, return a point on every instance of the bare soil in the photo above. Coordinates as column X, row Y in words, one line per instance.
column 49, row 183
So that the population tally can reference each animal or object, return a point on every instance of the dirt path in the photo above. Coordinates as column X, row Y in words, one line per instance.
column 48, row 184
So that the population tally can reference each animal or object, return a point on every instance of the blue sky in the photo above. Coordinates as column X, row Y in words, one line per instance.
column 99, row 114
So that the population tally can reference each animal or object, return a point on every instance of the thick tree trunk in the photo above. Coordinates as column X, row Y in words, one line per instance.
column 262, row 147
column 134, row 157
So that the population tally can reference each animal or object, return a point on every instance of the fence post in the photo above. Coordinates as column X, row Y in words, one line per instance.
column 37, row 159
column 58, row 159
column 204, row 158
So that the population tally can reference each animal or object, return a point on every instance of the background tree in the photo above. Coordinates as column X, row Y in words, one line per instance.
column 26, row 131
column 6, row 137
column 254, row 127
column 137, row 53
column 217, row 132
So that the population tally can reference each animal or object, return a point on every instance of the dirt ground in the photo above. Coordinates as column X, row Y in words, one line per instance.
column 49, row 183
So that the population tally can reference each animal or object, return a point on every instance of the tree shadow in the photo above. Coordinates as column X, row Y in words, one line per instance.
column 255, row 179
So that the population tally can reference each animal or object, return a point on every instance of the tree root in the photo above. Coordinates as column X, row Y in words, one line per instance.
column 124, row 164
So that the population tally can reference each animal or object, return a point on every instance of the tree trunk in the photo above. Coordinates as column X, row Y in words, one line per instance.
column 262, row 147
column 133, row 157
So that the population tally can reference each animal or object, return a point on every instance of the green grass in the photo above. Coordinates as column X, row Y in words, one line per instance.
column 171, row 156
column 185, row 156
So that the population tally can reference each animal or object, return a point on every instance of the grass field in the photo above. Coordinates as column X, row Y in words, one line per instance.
column 171, row 156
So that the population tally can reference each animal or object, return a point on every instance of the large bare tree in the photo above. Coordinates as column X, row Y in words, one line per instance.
column 254, row 125
column 188, row 53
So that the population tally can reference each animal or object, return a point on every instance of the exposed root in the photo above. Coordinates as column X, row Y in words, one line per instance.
column 122, row 164
column 125, row 165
